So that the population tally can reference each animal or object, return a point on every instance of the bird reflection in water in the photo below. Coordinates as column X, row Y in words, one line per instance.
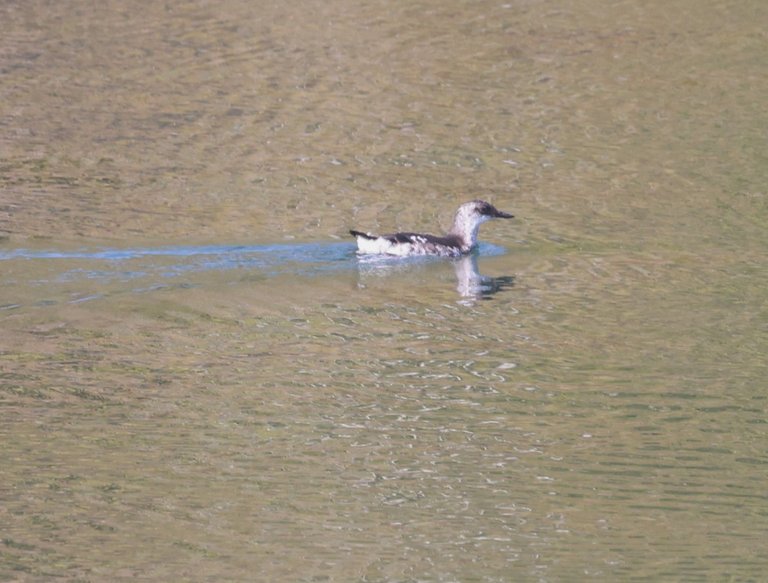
column 470, row 283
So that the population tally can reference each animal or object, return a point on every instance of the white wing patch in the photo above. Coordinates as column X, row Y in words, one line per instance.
column 414, row 245
column 377, row 246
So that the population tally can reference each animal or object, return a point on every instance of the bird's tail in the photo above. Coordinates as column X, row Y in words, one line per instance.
column 361, row 234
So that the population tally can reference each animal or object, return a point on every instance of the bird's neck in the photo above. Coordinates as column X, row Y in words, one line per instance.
column 466, row 231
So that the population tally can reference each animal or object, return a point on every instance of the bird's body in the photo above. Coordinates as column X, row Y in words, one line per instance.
column 460, row 240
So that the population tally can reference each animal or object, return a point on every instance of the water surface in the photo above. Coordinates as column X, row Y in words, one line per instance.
column 199, row 379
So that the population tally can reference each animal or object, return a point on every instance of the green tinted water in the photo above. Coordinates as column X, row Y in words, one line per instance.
column 283, row 411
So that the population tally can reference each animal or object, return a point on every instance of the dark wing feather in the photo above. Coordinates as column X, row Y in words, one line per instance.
column 448, row 241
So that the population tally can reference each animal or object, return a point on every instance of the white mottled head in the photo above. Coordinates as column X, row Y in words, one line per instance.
column 470, row 216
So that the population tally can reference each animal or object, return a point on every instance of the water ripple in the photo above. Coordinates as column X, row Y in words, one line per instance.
column 42, row 267
column 300, row 258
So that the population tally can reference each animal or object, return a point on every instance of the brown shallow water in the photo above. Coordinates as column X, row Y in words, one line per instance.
column 200, row 381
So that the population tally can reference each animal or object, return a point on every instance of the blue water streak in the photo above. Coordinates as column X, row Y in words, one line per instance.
column 173, row 261
column 307, row 252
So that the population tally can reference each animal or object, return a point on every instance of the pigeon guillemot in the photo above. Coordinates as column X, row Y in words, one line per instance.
column 459, row 241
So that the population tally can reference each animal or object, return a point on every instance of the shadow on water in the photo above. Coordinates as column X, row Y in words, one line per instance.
column 156, row 268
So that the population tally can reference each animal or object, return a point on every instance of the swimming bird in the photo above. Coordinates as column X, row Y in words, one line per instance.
column 460, row 240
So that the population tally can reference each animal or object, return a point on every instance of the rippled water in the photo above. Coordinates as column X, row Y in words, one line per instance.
column 200, row 380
